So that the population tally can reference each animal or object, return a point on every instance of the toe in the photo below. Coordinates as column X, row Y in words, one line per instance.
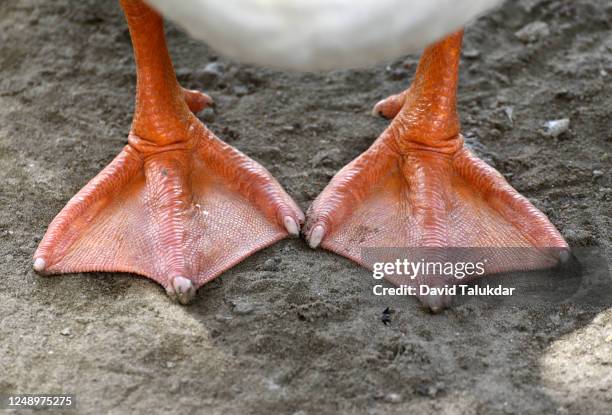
column 39, row 265
column 291, row 226
column 197, row 100
column 389, row 107
column 182, row 289
column 316, row 236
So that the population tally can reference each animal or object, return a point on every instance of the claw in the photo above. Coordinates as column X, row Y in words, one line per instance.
column 389, row 107
column 184, row 290
column 316, row 236
column 39, row 265
column 291, row 226
column 376, row 110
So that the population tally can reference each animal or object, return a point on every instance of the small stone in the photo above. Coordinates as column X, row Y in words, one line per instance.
column 288, row 128
column 393, row 398
column 555, row 128
column 326, row 158
column 397, row 74
column 471, row 53
column 222, row 318
column 240, row 90
column 597, row 173
column 533, row 32
column 243, row 308
column 609, row 339
column 66, row 331
column 170, row 365
column 270, row 265
column 182, row 74
column 212, row 72
column 207, row 115
column 509, row 111
column 432, row 391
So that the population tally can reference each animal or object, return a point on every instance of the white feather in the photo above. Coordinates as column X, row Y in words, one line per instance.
column 319, row 34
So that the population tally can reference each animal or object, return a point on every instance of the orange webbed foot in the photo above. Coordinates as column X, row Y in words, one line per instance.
column 418, row 189
column 177, row 205
column 180, row 216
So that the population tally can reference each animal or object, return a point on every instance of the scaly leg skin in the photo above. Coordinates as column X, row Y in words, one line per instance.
column 177, row 204
column 418, row 186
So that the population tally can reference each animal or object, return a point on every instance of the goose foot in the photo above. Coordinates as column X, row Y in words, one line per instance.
column 177, row 205
column 180, row 215
column 420, row 195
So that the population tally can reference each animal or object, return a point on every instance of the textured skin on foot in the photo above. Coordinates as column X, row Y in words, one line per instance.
column 197, row 100
column 193, row 211
column 177, row 205
column 417, row 186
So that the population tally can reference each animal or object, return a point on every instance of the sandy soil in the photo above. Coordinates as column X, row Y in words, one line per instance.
column 291, row 330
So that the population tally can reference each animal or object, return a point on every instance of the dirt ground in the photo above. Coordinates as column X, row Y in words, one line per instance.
column 292, row 330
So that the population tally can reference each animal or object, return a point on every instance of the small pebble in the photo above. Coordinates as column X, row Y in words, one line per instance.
column 288, row 128
column 397, row 74
column 597, row 173
column 222, row 318
column 609, row 339
column 555, row 128
column 212, row 72
column 207, row 115
column 509, row 111
column 471, row 53
column 393, row 398
column 240, row 90
column 432, row 391
column 270, row 265
column 533, row 32
column 243, row 308
column 326, row 158
column 66, row 331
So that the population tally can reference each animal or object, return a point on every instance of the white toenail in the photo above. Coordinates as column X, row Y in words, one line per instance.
column 316, row 236
column 184, row 289
column 291, row 226
column 39, row 265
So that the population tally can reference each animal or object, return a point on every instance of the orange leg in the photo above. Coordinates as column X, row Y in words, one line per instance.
column 418, row 186
column 177, row 205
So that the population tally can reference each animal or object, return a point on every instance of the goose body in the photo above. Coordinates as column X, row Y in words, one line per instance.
column 319, row 34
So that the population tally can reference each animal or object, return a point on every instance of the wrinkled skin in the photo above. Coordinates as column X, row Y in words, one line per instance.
column 418, row 186
column 177, row 204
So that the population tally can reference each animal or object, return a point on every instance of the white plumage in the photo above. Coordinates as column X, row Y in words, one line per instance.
column 319, row 34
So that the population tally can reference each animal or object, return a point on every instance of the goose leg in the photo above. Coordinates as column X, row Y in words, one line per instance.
column 177, row 205
column 418, row 186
